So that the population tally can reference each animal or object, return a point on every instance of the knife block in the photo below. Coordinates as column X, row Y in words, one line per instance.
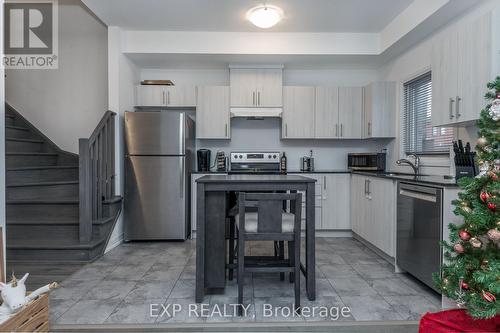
column 464, row 171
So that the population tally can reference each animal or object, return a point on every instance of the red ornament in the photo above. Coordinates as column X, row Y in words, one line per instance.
column 484, row 196
column 464, row 285
column 464, row 235
column 492, row 206
column 489, row 296
column 458, row 248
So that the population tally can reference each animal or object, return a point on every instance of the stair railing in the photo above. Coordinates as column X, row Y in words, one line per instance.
column 96, row 173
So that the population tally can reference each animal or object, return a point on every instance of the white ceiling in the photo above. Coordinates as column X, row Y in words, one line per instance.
column 229, row 15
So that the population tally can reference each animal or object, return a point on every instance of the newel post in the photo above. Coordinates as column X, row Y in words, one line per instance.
column 85, row 191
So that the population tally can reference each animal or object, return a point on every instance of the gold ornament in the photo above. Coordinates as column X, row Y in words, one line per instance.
column 476, row 243
column 467, row 209
column 482, row 141
column 494, row 235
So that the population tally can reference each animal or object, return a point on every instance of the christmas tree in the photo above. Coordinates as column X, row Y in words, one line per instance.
column 471, row 274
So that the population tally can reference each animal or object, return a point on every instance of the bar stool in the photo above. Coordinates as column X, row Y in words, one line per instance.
column 268, row 223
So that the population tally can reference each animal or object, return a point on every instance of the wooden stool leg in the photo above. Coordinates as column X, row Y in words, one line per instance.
column 296, row 246
column 291, row 259
column 231, row 247
column 282, row 257
column 241, row 271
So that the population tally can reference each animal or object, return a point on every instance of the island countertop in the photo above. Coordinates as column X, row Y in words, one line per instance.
column 255, row 178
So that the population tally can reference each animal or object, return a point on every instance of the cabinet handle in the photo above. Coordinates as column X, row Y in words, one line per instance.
column 369, row 182
column 253, row 98
column 366, row 183
column 258, row 98
column 324, row 182
column 168, row 94
column 336, row 129
column 457, row 107
column 451, row 107
column 369, row 128
column 286, row 130
column 341, row 129
column 163, row 100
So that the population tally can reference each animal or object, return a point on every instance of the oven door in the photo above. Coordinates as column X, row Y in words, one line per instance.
column 419, row 231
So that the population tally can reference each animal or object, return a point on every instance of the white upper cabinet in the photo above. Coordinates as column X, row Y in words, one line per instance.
column 150, row 96
column 256, row 87
column 212, row 113
column 298, row 112
column 327, row 113
column 171, row 96
column 464, row 59
column 379, row 118
column 350, row 112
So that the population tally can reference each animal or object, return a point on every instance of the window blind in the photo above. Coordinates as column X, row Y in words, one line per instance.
column 418, row 134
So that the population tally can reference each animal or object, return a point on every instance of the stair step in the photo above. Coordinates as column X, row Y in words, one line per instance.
column 47, row 249
column 41, row 190
column 49, row 209
column 56, row 222
column 23, row 145
column 10, row 120
column 36, row 233
column 30, row 159
column 18, row 132
column 64, row 229
column 42, row 173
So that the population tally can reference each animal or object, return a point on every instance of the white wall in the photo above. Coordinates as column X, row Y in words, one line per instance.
column 416, row 61
column 123, row 77
column 67, row 103
column 252, row 135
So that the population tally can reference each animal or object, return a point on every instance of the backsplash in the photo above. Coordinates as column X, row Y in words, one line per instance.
column 258, row 135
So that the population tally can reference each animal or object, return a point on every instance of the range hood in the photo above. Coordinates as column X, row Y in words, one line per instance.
column 256, row 112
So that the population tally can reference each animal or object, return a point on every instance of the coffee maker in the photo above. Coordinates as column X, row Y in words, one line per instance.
column 203, row 156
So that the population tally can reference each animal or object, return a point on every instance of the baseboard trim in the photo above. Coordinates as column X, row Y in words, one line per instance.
column 372, row 247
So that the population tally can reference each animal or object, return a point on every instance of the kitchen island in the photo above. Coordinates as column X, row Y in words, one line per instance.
column 212, row 191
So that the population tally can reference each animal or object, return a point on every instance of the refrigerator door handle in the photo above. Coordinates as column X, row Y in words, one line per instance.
column 181, row 187
column 181, row 134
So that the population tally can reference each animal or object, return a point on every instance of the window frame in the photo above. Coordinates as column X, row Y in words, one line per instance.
column 403, row 131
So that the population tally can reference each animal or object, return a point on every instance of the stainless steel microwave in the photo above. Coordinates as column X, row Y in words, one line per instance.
column 366, row 161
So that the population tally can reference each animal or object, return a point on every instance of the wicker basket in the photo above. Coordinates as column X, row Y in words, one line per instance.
column 34, row 317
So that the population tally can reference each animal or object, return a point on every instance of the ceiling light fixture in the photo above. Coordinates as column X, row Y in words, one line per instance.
column 265, row 16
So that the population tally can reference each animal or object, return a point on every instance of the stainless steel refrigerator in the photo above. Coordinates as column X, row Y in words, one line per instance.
column 158, row 163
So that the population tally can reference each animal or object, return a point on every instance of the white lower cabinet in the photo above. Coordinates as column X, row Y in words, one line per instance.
column 335, row 206
column 373, row 211
column 331, row 201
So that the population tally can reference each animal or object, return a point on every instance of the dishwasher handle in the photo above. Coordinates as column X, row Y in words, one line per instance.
column 418, row 195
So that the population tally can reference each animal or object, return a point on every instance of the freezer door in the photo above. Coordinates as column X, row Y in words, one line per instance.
column 155, row 197
column 155, row 133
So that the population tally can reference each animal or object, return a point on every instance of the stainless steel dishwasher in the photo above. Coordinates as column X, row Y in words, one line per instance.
column 419, row 228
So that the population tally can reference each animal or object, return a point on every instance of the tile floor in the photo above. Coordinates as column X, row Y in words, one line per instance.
column 121, row 286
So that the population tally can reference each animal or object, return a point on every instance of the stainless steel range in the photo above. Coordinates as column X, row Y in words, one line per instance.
column 255, row 162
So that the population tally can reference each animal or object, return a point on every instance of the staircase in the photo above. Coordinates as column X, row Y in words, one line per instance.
column 44, row 214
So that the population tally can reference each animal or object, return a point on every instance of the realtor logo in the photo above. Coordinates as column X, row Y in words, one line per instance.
column 30, row 34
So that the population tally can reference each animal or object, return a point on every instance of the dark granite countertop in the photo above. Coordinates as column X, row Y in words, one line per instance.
column 320, row 171
column 254, row 179
column 423, row 179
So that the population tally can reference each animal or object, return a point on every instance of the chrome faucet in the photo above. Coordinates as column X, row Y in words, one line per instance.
column 415, row 165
